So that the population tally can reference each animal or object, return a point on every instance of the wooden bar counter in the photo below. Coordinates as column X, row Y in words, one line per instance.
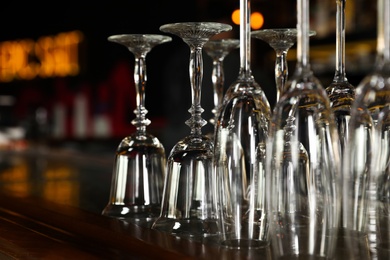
column 50, row 208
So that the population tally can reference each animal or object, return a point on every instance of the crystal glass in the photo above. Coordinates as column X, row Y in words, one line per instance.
column 218, row 49
column 302, row 162
column 281, row 40
column 341, row 93
column 188, row 205
column 140, row 160
column 367, row 155
column 241, row 130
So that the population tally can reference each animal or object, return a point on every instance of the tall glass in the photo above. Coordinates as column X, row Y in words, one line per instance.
column 302, row 162
column 352, row 239
column 367, row 155
column 188, row 206
column 241, row 128
column 139, row 166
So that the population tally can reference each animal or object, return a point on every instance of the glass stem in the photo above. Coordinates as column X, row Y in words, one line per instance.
column 245, row 22
column 218, row 80
column 302, row 33
column 140, row 122
column 340, row 75
column 383, row 41
column 196, row 122
column 380, row 43
column 281, row 71
column 380, row 32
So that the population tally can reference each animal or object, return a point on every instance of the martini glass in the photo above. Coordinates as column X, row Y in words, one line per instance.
column 367, row 155
column 281, row 40
column 188, row 205
column 302, row 162
column 218, row 49
column 242, row 125
column 139, row 166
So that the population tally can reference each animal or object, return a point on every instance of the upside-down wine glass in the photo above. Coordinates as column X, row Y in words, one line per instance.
column 367, row 155
column 218, row 49
column 281, row 40
column 302, row 162
column 241, row 128
column 352, row 239
column 341, row 92
column 188, row 206
column 139, row 165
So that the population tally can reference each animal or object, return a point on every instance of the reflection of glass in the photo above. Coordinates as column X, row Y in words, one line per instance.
column 302, row 162
column 281, row 40
column 367, row 156
column 218, row 50
column 139, row 165
column 188, row 205
column 242, row 125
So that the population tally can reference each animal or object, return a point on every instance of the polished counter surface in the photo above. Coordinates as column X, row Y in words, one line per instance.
column 50, row 208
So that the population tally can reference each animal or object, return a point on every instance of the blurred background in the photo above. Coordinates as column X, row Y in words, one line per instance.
column 63, row 83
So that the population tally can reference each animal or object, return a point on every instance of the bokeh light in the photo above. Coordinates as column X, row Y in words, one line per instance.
column 257, row 19
column 236, row 16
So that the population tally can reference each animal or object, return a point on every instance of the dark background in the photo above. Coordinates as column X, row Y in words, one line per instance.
column 168, row 89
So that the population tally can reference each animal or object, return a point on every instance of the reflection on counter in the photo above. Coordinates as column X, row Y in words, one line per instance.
column 58, row 175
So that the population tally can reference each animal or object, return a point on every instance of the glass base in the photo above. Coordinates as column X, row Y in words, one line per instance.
column 137, row 214
column 244, row 243
column 303, row 257
column 187, row 228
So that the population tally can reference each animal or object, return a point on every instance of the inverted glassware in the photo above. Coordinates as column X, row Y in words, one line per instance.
column 188, row 206
column 241, row 132
column 302, row 163
column 367, row 155
column 139, row 166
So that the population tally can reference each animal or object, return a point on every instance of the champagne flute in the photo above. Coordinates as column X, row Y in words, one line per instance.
column 139, row 165
column 302, row 162
column 367, row 155
column 242, row 125
column 188, row 206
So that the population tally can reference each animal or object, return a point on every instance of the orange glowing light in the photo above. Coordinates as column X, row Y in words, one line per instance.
column 49, row 56
column 257, row 19
column 236, row 16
